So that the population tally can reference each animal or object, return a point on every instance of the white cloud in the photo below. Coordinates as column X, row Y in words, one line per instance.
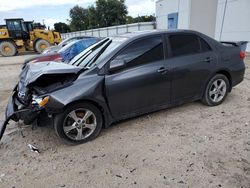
column 8, row 5
column 135, row 7
column 50, row 22
column 140, row 7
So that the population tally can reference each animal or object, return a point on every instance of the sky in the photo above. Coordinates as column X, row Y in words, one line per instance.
column 52, row 11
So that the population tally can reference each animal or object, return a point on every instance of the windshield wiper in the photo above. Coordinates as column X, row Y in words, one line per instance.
column 82, row 58
column 90, row 63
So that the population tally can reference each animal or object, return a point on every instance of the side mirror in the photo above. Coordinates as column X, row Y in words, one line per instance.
column 116, row 65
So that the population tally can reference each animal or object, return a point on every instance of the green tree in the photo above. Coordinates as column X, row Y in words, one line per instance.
column 78, row 18
column 104, row 13
column 111, row 12
column 144, row 19
column 93, row 19
column 129, row 20
column 61, row 27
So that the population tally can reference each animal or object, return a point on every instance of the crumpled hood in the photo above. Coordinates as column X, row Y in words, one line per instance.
column 33, row 71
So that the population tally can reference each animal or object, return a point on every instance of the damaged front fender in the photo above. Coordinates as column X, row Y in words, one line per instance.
column 88, row 87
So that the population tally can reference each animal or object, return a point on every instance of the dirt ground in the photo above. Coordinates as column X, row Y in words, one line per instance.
column 188, row 146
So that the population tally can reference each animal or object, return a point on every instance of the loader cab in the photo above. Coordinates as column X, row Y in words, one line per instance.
column 17, row 29
column 29, row 25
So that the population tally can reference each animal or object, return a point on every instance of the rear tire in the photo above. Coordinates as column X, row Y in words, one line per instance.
column 8, row 48
column 41, row 45
column 79, row 123
column 216, row 90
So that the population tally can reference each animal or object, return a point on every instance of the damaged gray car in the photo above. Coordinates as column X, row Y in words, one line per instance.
column 122, row 77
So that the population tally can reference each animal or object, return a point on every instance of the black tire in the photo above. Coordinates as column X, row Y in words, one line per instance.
column 8, row 48
column 208, row 98
column 41, row 45
column 61, row 119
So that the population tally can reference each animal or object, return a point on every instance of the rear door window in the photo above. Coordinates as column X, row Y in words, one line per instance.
column 184, row 44
column 142, row 51
column 204, row 45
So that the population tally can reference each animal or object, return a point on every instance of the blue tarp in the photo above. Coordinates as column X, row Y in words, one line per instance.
column 72, row 49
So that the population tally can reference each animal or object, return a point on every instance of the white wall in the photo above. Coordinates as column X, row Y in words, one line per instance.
column 203, row 16
column 236, row 23
column 165, row 7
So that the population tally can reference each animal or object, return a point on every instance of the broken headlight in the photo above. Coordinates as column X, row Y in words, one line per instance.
column 40, row 101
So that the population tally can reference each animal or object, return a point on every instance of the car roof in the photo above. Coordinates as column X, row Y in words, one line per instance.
column 151, row 32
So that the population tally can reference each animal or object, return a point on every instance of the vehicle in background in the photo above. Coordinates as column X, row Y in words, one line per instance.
column 65, row 54
column 18, row 35
column 125, row 76
column 53, row 49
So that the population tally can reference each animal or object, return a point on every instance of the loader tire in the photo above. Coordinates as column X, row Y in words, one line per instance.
column 8, row 48
column 41, row 45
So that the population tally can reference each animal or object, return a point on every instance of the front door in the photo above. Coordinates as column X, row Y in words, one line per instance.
column 143, row 84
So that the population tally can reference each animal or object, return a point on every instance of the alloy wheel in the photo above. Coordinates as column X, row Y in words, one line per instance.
column 79, row 124
column 218, row 90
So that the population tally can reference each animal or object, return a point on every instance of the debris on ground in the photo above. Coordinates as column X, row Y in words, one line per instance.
column 1, row 177
column 132, row 170
column 33, row 148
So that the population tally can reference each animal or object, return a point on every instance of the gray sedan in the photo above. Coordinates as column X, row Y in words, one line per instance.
column 125, row 76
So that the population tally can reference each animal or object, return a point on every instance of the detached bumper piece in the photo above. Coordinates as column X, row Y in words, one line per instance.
column 15, row 113
column 3, row 127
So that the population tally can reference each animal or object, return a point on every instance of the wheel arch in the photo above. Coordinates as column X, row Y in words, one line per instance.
column 104, row 111
column 221, row 71
column 227, row 74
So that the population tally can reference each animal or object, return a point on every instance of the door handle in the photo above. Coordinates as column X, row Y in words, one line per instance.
column 162, row 70
column 208, row 59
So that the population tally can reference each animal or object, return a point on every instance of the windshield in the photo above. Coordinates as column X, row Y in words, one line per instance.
column 23, row 27
column 67, row 41
column 96, row 53
column 64, row 48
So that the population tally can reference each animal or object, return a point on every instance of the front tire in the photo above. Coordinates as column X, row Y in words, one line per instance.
column 216, row 90
column 41, row 45
column 79, row 123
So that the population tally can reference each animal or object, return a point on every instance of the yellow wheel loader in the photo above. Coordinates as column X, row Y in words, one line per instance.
column 18, row 36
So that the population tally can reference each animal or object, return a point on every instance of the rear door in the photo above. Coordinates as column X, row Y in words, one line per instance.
column 191, row 63
column 143, row 84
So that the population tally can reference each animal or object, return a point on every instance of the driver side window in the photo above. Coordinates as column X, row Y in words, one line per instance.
column 142, row 51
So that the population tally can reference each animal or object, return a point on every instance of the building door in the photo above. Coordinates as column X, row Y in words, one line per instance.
column 173, row 21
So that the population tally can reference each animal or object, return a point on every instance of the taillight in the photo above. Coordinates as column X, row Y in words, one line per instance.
column 242, row 55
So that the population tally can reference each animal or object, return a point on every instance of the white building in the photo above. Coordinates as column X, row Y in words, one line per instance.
column 227, row 20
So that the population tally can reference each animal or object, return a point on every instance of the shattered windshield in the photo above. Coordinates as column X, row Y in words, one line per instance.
column 95, row 54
